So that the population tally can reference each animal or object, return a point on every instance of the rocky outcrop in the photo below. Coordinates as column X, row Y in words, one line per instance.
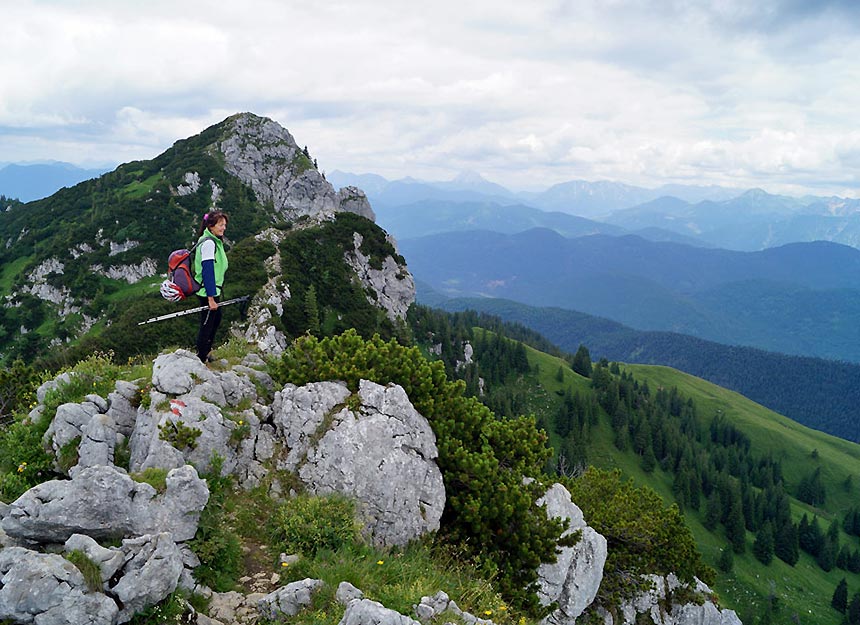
column 47, row 589
column 661, row 607
column 152, row 570
column 373, row 446
column 264, row 156
column 104, row 503
column 574, row 579
column 392, row 285
column 268, row 303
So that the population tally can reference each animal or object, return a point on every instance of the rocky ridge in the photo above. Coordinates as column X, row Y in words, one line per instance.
column 372, row 446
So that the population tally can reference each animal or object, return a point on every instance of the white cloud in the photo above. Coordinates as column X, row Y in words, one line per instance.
column 527, row 94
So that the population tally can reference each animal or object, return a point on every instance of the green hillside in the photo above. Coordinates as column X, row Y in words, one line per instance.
column 781, row 456
column 804, row 589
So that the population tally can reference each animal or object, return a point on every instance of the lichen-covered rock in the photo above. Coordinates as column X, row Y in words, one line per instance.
column 382, row 453
column 177, row 373
column 98, row 439
column 104, row 502
column 299, row 412
column 47, row 589
column 69, row 422
column 653, row 603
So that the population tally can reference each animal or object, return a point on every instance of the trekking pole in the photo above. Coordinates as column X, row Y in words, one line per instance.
column 191, row 311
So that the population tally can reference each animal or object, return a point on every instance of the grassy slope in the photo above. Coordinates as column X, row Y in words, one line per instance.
column 804, row 589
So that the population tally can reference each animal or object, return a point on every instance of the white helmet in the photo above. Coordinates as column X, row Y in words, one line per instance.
column 171, row 292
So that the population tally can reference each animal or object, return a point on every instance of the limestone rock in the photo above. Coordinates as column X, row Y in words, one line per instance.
column 98, row 439
column 574, row 579
column 653, row 604
column 346, row 592
column 264, row 155
column 47, row 589
column 178, row 372
column 367, row 612
column 109, row 560
column 152, row 570
column 393, row 286
column 298, row 412
column 103, row 502
column 383, row 454
column 69, row 422
column 288, row 600
column 122, row 406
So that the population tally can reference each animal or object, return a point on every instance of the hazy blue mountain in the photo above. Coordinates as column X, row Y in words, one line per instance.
column 599, row 199
column 472, row 181
column 822, row 394
column 371, row 184
column 752, row 221
column 576, row 197
column 802, row 298
column 33, row 182
column 436, row 216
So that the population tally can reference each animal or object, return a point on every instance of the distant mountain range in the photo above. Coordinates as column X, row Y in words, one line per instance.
column 752, row 221
column 802, row 298
column 706, row 216
column 576, row 197
column 34, row 182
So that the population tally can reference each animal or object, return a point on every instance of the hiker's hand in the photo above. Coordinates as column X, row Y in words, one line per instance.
column 213, row 305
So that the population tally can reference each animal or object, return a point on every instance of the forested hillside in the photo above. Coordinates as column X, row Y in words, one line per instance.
column 772, row 504
column 821, row 394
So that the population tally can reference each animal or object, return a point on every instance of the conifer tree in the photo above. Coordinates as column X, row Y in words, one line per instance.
column 312, row 313
column 581, row 362
column 763, row 545
column 713, row 511
column 727, row 560
column 854, row 609
column 840, row 596
column 785, row 544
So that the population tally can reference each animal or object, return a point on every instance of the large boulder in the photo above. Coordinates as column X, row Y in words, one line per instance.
column 187, row 395
column 104, row 502
column 574, row 578
column 374, row 447
column 47, row 589
column 152, row 570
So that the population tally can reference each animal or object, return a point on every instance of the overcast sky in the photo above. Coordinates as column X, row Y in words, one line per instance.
column 527, row 93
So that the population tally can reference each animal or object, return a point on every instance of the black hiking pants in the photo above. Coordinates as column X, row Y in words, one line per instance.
column 209, row 322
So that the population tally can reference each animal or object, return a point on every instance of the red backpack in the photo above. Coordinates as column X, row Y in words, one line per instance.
column 180, row 281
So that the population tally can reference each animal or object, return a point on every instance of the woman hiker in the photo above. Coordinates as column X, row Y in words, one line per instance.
column 210, row 265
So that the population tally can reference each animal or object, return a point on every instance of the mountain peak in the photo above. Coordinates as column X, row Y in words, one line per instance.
column 469, row 176
column 265, row 156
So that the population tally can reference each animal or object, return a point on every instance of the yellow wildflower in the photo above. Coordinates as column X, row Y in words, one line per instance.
column 380, row 562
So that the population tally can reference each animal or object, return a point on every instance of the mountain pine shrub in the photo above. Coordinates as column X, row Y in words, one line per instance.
column 643, row 535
